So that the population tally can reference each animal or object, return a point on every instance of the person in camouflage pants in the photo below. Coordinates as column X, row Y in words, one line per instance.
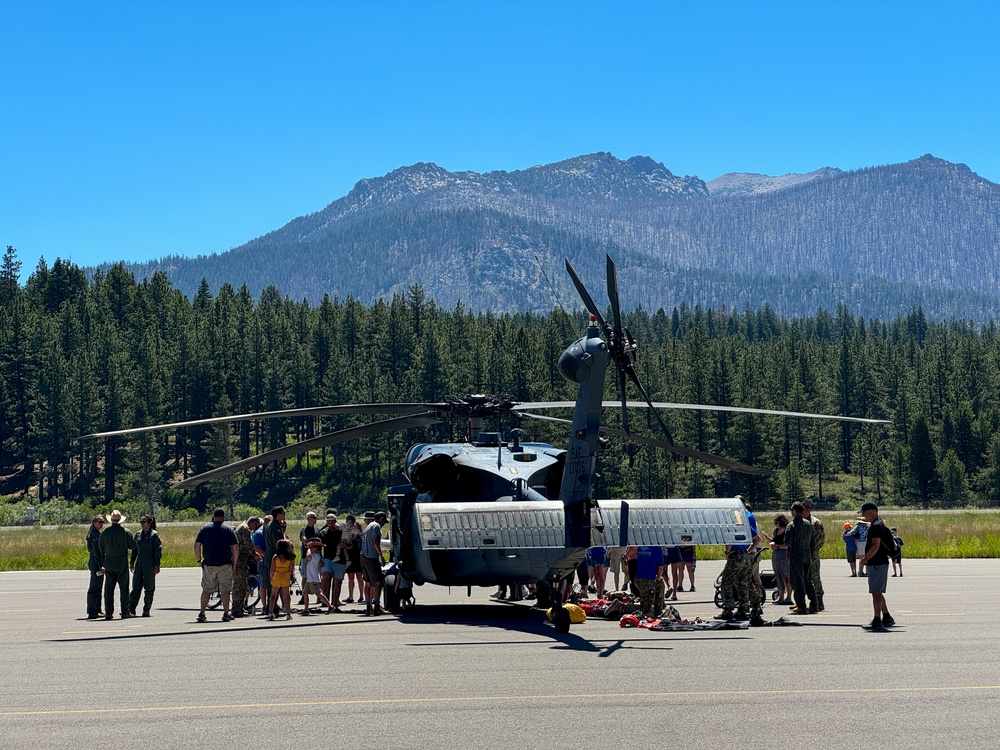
column 244, row 538
column 818, row 540
column 649, row 572
column 738, row 592
column 737, row 585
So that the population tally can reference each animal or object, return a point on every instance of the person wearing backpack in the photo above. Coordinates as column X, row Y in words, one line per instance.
column 878, row 547
column 897, row 554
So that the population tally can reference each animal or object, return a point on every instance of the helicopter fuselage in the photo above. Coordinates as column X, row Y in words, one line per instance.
column 483, row 513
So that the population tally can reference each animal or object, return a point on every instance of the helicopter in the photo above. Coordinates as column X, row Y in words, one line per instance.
column 493, row 510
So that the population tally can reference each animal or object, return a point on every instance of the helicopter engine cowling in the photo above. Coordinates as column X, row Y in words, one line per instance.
column 433, row 472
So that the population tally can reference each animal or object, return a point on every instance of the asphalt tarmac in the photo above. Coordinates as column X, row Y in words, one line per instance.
column 467, row 672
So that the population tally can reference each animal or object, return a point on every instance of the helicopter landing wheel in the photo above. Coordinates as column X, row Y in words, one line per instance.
column 390, row 596
column 560, row 618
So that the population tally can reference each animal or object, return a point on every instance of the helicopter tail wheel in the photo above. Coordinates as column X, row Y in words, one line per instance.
column 560, row 619
column 718, row 598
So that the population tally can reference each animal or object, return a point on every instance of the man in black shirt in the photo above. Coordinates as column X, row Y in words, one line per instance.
column 334, row 558
column 877, row 550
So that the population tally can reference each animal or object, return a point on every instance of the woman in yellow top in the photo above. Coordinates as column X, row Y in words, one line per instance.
column 281, row 578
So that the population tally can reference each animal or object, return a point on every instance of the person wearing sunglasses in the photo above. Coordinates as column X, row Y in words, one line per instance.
column 95, row 562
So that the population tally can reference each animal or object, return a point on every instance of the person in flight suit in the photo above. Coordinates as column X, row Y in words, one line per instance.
column 798, row 537
column 95, row 562
column 115, row 544
column 145, row 565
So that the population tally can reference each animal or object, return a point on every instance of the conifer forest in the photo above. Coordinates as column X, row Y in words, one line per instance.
column 81, row 355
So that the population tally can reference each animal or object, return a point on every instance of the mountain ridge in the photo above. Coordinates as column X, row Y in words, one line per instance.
column 917, row 232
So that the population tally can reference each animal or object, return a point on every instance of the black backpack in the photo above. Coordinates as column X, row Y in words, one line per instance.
column 888, row 540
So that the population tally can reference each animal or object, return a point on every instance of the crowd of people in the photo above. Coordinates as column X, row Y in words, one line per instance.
column 655, row 575
column 335, row 552
column 129, row 563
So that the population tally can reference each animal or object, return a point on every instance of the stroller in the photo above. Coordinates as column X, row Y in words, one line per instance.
column 762, row 580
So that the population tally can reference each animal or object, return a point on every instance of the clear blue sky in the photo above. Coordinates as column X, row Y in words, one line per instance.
column 140, row 129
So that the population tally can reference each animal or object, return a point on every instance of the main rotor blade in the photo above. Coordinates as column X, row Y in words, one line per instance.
column 535, row 405
column 311, row 411
column 588, row 301
column 708, row 458
column 332, row 438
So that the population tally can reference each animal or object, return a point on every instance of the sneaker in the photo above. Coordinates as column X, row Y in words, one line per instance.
column 692, row 589
column 145, row 613
column 331, row 610
column 349, row 600
column 91, row 617
column 726, row 614
column 227, row 617
column 131, row 610
column 270, row 616
column 893, row 575
column 888, row 621
column 288, row 616
column 876, row 624
column 201, row 617
column 109, row 617
column 378, row 610
column 126, row 615
column 306, row 612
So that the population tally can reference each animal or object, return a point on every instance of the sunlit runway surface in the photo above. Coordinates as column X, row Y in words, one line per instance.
column 466, row 672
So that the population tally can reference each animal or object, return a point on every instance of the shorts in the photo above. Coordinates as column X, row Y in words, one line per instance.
column 673, row 555
column 311, row 587
column 336, row 570
column 217, row 578
column 878, row 578
column 615, row 559
column 598, row 562
column 371, row 570
column 852, row 555
column 687, row 554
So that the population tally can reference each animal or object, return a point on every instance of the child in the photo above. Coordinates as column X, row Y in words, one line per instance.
column 281, row 578
column 897, row 556
column 313, row 573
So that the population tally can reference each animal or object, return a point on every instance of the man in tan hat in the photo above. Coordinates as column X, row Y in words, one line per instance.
column 115, row 544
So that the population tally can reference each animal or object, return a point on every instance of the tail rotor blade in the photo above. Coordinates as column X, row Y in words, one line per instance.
column 616, row 312
column 588, row 301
